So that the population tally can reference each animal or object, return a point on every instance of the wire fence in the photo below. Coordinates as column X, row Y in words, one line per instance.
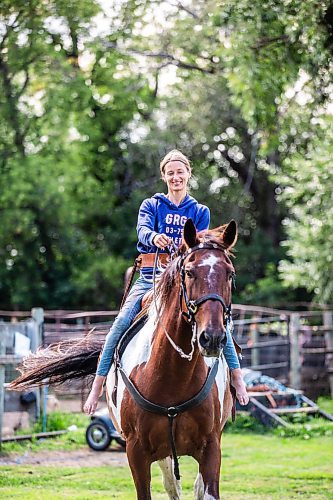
column 294, row 347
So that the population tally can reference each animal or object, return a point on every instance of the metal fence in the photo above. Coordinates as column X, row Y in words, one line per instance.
column 16, row 339
column 294, row 347
column 264, row 339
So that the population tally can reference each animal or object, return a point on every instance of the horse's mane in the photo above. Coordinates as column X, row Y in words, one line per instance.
column 170, row 275
column 167, row 281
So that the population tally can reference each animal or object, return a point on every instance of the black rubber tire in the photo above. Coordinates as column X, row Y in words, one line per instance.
column 120, row 441
column 98, row 436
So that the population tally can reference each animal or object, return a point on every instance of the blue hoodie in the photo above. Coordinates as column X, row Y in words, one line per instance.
column 160, row 215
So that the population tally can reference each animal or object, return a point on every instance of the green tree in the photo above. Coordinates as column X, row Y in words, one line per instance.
column 87, row 112
column 269, row 66
column 66, row 100
column 308, row 194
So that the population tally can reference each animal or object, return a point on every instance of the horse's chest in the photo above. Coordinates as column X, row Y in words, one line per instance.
column 189, row 426
column 191, row 431
column 128, row 415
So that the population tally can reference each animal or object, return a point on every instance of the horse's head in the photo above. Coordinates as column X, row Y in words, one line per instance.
column 207, row 274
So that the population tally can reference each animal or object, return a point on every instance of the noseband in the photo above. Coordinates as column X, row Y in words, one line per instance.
column 193, row 305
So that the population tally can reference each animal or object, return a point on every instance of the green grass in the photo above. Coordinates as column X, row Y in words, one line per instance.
column 253, row 466
column 326, row 404
column 257, row 463
column 57, row 421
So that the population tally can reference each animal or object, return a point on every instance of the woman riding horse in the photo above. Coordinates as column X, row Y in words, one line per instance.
column 160, row 222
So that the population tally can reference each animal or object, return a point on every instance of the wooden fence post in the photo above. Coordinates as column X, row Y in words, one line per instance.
column 2, row 378
column 328, row 323
column 37, row 314
column 295, row 360
column 254, row 335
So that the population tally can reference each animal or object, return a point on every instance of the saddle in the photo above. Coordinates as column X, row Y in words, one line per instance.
column 145, row 304
column 144, row 260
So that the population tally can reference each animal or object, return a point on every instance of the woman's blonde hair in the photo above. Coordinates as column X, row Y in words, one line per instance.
column 175, row 155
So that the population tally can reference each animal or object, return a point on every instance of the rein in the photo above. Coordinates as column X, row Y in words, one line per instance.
column 194, row 330
column 130, row 281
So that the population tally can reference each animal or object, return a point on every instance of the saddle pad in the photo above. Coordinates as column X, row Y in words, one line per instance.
column 138, row 323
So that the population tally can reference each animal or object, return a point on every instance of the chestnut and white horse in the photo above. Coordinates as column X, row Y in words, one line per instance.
column 172, row 395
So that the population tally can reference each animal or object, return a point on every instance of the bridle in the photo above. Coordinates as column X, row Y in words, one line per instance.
column 193, row 305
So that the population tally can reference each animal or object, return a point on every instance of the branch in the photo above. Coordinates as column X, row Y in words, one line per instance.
column 186, row 9
column 243, row 172
column 24, row 86
column 155, row 92
column 25, row 68
column 178, row 5
column 10, row 28
column 164, row 55
column 263, row 42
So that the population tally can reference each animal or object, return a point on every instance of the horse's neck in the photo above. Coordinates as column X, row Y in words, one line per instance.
column 164, row 355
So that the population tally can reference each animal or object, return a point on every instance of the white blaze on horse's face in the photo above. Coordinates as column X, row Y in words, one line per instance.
column 211, row 260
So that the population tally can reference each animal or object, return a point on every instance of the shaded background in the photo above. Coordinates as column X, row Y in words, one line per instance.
column 93, row 94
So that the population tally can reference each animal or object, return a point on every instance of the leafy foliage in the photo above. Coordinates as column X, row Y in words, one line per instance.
column 92, row 96
column 66, row 101
column 271, row 65
column 306, row 430
column 308, row 194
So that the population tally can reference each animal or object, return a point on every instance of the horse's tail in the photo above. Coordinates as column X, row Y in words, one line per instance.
column 58, row 363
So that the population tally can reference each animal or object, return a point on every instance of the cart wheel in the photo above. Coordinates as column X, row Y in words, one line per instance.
column 120, row 441
column 98, row 436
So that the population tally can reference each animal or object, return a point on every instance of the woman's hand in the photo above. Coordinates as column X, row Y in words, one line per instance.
column 161, row 241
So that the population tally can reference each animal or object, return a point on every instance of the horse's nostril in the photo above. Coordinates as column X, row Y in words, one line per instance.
column 211, row 341
column 204, row 339
column 223, row 341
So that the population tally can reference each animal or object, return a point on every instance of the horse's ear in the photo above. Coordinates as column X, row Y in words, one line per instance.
column 190, row 233
column 230, row 234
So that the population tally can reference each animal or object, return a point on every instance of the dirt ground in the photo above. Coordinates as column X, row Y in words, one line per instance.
column 78, row 458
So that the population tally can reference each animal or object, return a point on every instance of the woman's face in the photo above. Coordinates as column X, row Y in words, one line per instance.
column 176, row 176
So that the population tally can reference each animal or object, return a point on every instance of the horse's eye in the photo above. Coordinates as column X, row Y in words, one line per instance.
column 189, row 274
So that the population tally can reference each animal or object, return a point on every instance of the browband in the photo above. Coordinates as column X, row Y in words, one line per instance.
column 200, row 246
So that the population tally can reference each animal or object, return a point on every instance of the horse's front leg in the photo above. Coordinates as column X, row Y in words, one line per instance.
column 207, row 482
column 140, row 466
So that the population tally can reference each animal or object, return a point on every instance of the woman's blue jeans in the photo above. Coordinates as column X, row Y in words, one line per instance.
column 122, row 322
column 124, row 319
